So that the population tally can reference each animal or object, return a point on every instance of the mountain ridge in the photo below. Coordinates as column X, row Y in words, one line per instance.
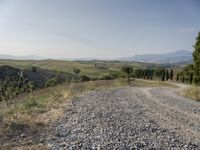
column 163, row 58
column 170, row 57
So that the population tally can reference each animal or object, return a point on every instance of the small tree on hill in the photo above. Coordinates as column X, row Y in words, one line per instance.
column 76, row 71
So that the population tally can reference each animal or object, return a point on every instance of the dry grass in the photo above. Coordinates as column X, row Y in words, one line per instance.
column 34, row 108
column 151, row 83
column 193, row 92
column 27, row 147
column 33, row 112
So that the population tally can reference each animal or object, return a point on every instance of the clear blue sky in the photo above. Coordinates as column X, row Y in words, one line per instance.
column 97, row 28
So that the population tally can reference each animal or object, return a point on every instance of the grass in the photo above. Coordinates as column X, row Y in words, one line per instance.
column 31, row 113
column 149, row 83
column 31, row 106
column 95, row 68
column 193, row 92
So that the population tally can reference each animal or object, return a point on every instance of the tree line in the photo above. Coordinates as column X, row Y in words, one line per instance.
column 191, row 73
column 161, row 74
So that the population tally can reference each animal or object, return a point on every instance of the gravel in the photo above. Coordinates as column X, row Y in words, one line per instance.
column 129, row 118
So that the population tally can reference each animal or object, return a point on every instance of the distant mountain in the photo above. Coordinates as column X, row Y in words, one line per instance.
column 173, row 57
column 29, row 57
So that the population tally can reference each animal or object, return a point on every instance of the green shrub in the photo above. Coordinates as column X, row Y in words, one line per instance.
column 76, row 70
column 84, row 78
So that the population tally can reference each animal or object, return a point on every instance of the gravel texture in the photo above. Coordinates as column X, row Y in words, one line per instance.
column 129, row 118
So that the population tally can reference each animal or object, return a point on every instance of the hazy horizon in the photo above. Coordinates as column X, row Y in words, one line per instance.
column 97, row 29
column 85, row 58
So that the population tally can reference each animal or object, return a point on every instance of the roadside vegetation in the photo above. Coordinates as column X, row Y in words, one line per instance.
column 31, row 113
column 193, row 92
column 194, row 71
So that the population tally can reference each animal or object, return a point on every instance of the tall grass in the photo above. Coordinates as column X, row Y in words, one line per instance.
column 28, row 110
column 193, row 92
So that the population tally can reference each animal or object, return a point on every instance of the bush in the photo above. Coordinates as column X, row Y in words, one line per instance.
column 76, row 71
column 105, row 77
column 84, row 78
column 33, row 69
column 51, row 82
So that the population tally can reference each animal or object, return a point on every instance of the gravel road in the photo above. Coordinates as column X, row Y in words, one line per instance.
column 129, row 118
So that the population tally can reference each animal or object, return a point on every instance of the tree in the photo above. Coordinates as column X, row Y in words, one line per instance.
column 167, row 75
column 128, row 71
column 183, row 79
column 171, row 74
column 177, row 77
column 33, row 69
column 159, row 73
column 196, row 58
column 76, row 71
column 191, row 78
column 163, row 75
column 138, row 73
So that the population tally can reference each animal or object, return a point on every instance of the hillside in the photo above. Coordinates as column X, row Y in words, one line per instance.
column 14, row 81
column 93, row 68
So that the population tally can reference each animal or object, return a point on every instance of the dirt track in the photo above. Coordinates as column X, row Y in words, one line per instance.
column 129, row 118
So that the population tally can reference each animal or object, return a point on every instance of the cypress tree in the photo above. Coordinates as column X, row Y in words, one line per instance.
column 167, row 75
column 177, row 77
column 151, row 75
column 147, row 74
column 171, row 74
column 143, row 74
column 191, row 78
column 196, row 58
column 163, row 75
column 183, row 79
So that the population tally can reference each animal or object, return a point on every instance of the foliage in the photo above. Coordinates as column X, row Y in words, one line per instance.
column 163, row 75
column 76, row 70
column 171, row 74
column 128, row 72
column 33, row 69
column 84, row 78
column 29, row 109
column 177, row 77
column 51, row 82
column 14, row 81
column 196, row 58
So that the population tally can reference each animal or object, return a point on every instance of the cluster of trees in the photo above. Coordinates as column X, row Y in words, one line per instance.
column 148, row 74
column 13, row 85
column 158, row 73
column 191, row 73
column 186, row 75
column 14, row 81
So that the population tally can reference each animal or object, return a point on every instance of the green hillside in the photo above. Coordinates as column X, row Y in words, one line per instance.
column 94, row 68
